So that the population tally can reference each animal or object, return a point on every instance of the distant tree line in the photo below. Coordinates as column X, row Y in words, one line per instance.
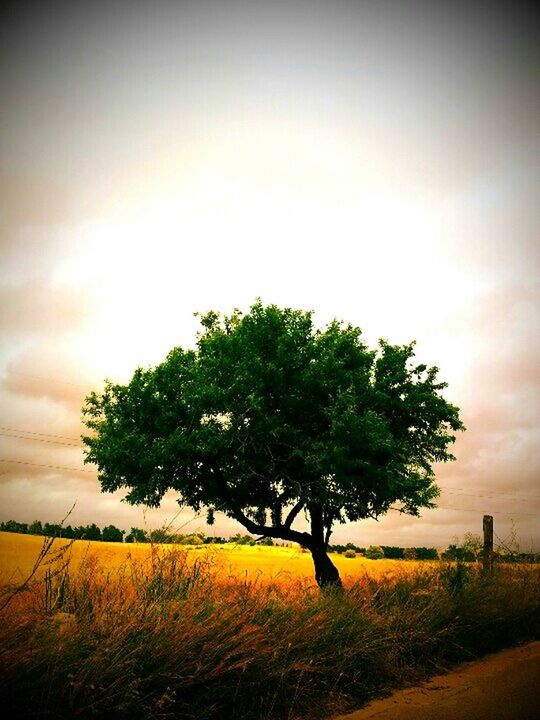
column 376, row 552
column 111, row 533
column 469, row 550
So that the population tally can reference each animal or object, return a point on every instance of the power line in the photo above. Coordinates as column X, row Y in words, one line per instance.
column 491, row 512
column 36, row 439
column 54, row 467
column 502, row 496
column 33, row 432
column 447, row 487
column 474, row 510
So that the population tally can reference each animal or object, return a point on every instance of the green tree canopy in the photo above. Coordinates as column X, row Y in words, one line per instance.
column 269, row 417
column 112, row 534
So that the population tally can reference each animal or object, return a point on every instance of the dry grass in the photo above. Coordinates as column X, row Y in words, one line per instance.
column 171, row 633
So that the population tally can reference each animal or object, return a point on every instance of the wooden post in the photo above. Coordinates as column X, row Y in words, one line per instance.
column 488, row 543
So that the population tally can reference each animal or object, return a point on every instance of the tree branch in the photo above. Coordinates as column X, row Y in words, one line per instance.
column 234, row 510
column 276, row 531
column 293, row 513
column 328, row 521
column 327, row 535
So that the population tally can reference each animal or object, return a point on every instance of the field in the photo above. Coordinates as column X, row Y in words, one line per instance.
column 160, row 632
column 267, row 564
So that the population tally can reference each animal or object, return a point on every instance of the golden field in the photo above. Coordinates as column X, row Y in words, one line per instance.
column 18, row 554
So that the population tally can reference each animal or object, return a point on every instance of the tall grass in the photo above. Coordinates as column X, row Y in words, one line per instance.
column 174, row 638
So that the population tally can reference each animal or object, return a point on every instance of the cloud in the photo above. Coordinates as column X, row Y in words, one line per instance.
column 40, row 307
column 50, row 372
column 34, row 211
column 55, row 494
column 24, row 200
column 498, row 466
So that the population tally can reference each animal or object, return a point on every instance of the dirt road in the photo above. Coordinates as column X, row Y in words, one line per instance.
column 505, row 686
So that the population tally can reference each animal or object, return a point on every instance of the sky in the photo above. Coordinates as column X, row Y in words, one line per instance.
column 378, row 162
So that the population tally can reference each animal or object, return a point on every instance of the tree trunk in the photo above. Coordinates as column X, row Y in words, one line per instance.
column 326, row 573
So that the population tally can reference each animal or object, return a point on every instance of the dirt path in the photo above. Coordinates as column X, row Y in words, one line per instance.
column 505, row 686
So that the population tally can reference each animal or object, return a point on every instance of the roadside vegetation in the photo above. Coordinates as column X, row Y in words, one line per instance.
column 173, row 635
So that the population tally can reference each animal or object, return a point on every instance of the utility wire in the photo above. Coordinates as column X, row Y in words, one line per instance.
column 475, row 510
column 33, row 432
column 54, row 467
column 36, row 439
column 452, row 488
column 495, row 496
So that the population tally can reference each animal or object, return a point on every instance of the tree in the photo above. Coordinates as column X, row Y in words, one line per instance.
column 392, row 552
column 35, row 528
column 136, row 535
column 92, row 532
column 425, row 553
column 112, row 534
column 468, row 551
column 52, row 530
column 269, row 418
column 472, row 544
column 14, row 527
column 375, row 552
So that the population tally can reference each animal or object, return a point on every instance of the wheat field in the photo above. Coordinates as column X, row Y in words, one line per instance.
column 263, row 563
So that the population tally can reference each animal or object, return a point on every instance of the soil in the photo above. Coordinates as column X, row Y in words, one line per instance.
column 504, row 686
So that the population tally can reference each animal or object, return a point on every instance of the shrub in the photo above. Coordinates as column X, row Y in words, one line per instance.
column 393, row 553
column 349, row 553
column 410, row 554
column 424, row 553
column 374, row 552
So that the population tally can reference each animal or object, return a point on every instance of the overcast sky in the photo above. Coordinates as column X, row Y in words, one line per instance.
column 373, row 161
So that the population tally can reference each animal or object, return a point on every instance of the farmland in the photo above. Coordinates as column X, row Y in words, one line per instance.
column 266, row 564
column 161, row 632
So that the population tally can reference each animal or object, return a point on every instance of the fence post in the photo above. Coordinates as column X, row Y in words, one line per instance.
column 488, row 543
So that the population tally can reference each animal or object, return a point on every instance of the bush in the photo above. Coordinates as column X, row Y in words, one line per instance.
column 410, row 554
column 349, row 553
column 424, row 553
column 453, row 552
column 393, row 553
column 136, row 535
column 374, row 552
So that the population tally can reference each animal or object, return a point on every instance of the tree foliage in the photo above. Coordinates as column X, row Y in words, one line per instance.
column 112, row 534
column 269, row 417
